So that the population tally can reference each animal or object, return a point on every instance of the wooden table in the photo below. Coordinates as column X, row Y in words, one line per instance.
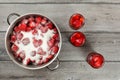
column 102, row 29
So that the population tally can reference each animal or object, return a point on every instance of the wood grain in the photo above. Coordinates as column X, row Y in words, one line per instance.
column 107, row 44
column 66, row 71
column 60, row 1
column 102, row 30
column 99, row 17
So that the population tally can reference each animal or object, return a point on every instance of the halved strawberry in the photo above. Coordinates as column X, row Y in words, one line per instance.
column 44, row 29
column 19, row 59
column 49, row 25
column 40, row 42
column 46, row 60
column 56, row 43
column 14, row 48
column 31, row 19
column 38, row 19
column 21, row 54
column 55, row 30
column 15, row 55
column 19, row 36
column 22, row 27
column 44, row 21
column 13, row 38
column 51, row 42
column 33, row 61
column 38, row 25
column 55, row 49
column 28, row 29
column 50, row 56
column 26, row 41
column 36, row 42
column 33, row 53
column 28, row 61
column 16, row 29
column 40, row 62
column 32, row 24
column 56, row 36
column 34, row 32
column 41, row 52
column 24, row 21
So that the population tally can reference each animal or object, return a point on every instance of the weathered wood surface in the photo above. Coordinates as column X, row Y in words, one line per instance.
column 59, row 1
column 66, row 71
column 99, row 17
column 102, row 29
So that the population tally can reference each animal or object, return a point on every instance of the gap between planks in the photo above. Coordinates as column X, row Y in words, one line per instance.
column 60, row 2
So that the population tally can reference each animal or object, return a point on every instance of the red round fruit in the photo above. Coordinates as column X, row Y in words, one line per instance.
column 77, row 39
column 76, row 21
column 96, row 60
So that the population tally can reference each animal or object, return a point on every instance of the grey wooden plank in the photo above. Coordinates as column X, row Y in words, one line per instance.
column 60, row 1
column 99, row 17
column 66, row 71
column 107, row 44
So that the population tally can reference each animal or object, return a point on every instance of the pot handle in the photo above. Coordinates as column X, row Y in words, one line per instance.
column 57, row 65
column 10, row 15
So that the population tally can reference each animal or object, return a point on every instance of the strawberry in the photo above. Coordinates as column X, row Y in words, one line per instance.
column 46, row 60
column 28, row 61
column 22, row 27
column 38, row 25
column 51, row 42
column 50, row 25
column 34, row 32
column 50, row 56
column 38, row 19
column 32, row 24
column 31, row 19
column 56, row 36
column 21, row 54
column 14, row 48
column 57, row 43
column 40, row 62
column 19, row 59
column 44, row 21
column 33, row 53
column 28, row 29
column 26, row 41
column 44, row 29
column 15, row 55
column 55, row 49
column 13, row 38
column 41, row 52
column 55, row 30
column 16, row 29
column 39, row 42
column 24, row 21
column 19, row 36
column 36, row 42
